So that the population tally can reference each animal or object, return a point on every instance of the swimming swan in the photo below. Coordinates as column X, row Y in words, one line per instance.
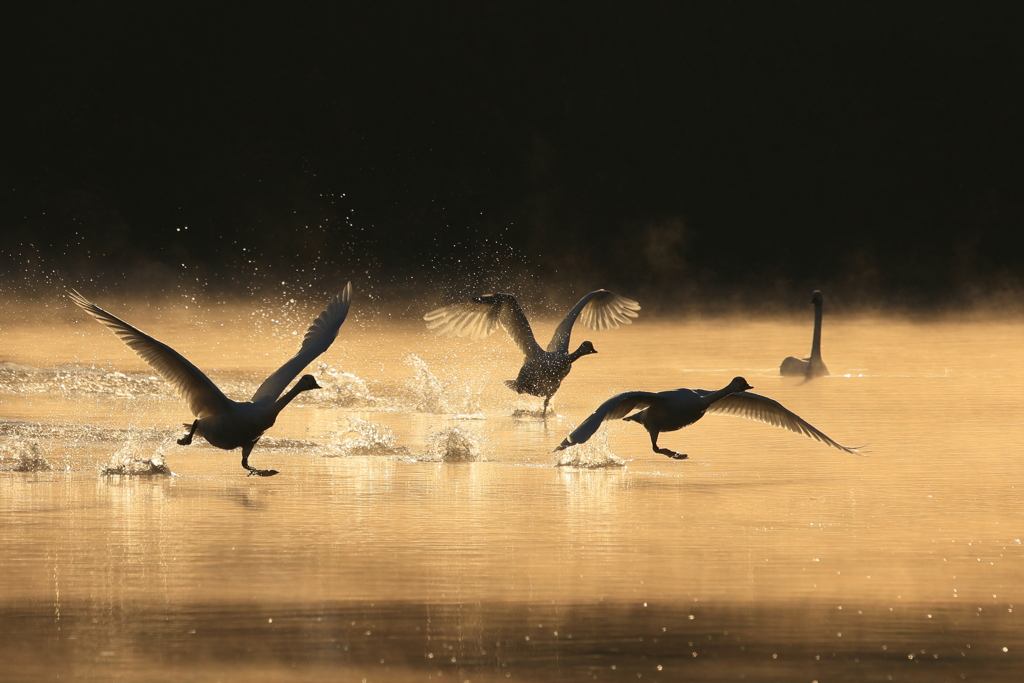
column 667, row 411
column 543, row 370
column 809, row 367
column 225, row 423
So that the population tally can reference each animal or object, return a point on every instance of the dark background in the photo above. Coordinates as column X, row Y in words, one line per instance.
column 722, row 151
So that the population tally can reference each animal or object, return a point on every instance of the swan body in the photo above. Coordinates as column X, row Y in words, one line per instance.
column 543, row 370
column 813, row 366
column 222, row 422
column 668, row 411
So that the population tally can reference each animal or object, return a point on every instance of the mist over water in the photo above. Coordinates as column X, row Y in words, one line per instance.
column 421, row 517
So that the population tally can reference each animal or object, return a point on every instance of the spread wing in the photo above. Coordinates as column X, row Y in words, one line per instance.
column 319, row 337
column 198, row 391
column 614, row 408
column 763, row 409
column 480, row 316
column 599, row 310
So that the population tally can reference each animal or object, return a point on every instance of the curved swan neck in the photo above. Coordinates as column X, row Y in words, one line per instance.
column 715, row 396
column 578, row 353
column 816, row 341
column 280, row 403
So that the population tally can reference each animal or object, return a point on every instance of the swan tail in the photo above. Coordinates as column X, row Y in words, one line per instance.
column 513, row 385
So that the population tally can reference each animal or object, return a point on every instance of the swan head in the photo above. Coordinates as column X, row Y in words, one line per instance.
column 816, row 298
column 739, row 384
column 307, row 382
column 586, row 348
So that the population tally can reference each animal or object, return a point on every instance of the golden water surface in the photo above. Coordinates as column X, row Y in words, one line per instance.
column 422, row 529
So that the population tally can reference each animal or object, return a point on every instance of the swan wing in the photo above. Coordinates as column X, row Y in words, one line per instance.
column 613, row 409
column 480, row 316
column 189, row 382
column 763, row 409
column 599, row 310
column 319, row 337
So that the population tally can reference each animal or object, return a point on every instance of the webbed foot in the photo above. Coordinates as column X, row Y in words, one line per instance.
column 185, row 440
column 261, row 473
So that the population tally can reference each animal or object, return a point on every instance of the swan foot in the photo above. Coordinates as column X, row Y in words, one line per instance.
column 261, row 473
column 672, row 454
column 187, row 439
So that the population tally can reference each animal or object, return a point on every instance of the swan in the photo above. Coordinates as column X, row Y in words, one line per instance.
column 225, row 423
column 543, row 369
column 808, row 367
column 667, row 411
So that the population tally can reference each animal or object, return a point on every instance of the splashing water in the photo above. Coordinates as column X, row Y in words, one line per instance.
column 453, row 444
column 22, row 456
column 595, row 454
column 432, row 395
column 366, row 438
column 131, row 460
column 340, row 387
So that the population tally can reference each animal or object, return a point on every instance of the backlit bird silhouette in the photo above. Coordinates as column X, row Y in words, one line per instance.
column 543, row 369
column 813, row 366
column 667, row 411
column 225, row 423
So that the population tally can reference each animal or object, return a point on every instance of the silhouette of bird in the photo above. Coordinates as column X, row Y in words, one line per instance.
column 668, row 411
column 222, row 422
column 808, row 367
column 543, row 369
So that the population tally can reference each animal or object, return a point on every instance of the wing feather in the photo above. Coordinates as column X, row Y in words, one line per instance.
column 319, row 337
column 614, row 408
column 482, row 315
column 763, row 409
column 189, row 382
column 598, row 310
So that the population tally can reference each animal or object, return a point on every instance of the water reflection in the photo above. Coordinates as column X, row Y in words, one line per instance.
column 418, row 505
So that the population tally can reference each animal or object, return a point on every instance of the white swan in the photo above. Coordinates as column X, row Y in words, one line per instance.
column 225, row 423
column 808, row 367
column 543, row 370
column 667, row 411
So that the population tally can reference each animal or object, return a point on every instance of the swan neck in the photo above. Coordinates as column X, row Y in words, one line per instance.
column 280, row 403
column 716, row 396
column 578, row 353
column 816, row 341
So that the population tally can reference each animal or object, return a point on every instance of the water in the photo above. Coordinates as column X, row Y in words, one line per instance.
column 422, row 529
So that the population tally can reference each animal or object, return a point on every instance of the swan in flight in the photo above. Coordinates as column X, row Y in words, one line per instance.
column 225, row 423
column 667, row 411
column 808, row 367
column 543, row 369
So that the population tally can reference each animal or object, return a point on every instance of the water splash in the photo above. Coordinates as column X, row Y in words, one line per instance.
column 453, row 444
column 340, row 387
column 595, row 454
column 22, row 456
column 365, row 438
column 432, row 395
column 135, row 460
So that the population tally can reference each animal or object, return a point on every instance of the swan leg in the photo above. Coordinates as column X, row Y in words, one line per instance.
column 246, row 450
column 187, row 439
column 665, row 451
column 544, row 411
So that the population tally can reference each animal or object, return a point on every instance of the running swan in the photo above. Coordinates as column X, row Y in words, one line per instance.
column 543, row 370
column 667, row 411
column 225, row 423
column 809, row 367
